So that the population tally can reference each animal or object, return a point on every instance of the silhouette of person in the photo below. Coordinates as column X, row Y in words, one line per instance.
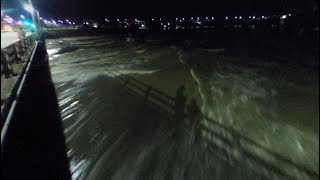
column 180, row 102
column 194, row 117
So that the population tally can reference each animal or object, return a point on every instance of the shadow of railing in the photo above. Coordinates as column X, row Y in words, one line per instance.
column 34, row 145
column 230, row 144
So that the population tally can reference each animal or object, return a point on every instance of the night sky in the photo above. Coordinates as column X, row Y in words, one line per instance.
column 155, row 8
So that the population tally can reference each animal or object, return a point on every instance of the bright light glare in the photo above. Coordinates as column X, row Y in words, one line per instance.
column 22, row 16
column 7, row 28
column 28, row 7
column 8, row 19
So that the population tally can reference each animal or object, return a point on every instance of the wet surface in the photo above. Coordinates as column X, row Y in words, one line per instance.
column 114, row 133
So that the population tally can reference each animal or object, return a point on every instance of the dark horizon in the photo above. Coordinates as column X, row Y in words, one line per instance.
column 79, row 9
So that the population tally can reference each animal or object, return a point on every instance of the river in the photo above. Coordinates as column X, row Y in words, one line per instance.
column 110, row 133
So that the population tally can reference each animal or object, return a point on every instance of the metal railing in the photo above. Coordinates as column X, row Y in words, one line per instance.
column 15, row 62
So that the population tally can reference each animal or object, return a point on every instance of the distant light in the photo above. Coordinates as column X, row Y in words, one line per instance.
column 176, row 19
column 161, row 24
column 182, row 18
column 152, row 19
column 41, row 18
column 212, row 17
column 283, row 16
column 164, row 26
column 73, row 23
column 206, row 17
column 198, row 18
column 253, row 17
column 236, row 17
column 249, row 17
column 67, row 20
column 289, row 14
column 160, row 19
column 227, row 18
column 240, row 17
column 54, row 22
column 168, row 24
column 262, row 17
column 20, row 22
column 192, row 18
column 22, row 16
column 87, row 23
column 118, row 19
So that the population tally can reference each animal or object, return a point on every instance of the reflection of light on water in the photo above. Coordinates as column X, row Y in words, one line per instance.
column 52, row 51
column 111, row 73
column 78, row 168
column 70, row 106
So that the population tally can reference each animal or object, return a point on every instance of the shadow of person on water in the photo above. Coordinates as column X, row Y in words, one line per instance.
column 179, row 109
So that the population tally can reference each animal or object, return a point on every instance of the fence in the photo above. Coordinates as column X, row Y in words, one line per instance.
column 231, row 145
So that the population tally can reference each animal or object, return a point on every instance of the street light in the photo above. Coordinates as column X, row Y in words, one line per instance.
column 34, row 13
column 28, row 8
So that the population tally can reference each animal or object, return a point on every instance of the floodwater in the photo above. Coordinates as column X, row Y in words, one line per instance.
column 112, row 133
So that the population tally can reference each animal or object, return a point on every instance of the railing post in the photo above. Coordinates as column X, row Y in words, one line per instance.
column 5, row 67
column 16, row 51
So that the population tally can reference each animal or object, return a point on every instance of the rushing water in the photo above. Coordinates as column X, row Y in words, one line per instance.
column 112, row 135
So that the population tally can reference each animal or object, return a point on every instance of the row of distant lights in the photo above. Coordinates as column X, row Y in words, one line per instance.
column 212, row 18
column 58, row 21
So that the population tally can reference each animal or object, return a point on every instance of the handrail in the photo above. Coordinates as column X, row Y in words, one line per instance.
column 16, row 53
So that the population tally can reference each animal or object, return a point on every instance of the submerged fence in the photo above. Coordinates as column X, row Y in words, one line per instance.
column 227, row 142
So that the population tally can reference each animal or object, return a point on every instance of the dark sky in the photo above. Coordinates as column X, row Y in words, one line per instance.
column 154, row 8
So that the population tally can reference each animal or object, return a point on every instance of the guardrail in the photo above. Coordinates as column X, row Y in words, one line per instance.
column 228, row 142
column 15, row 54
column 15, row 62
